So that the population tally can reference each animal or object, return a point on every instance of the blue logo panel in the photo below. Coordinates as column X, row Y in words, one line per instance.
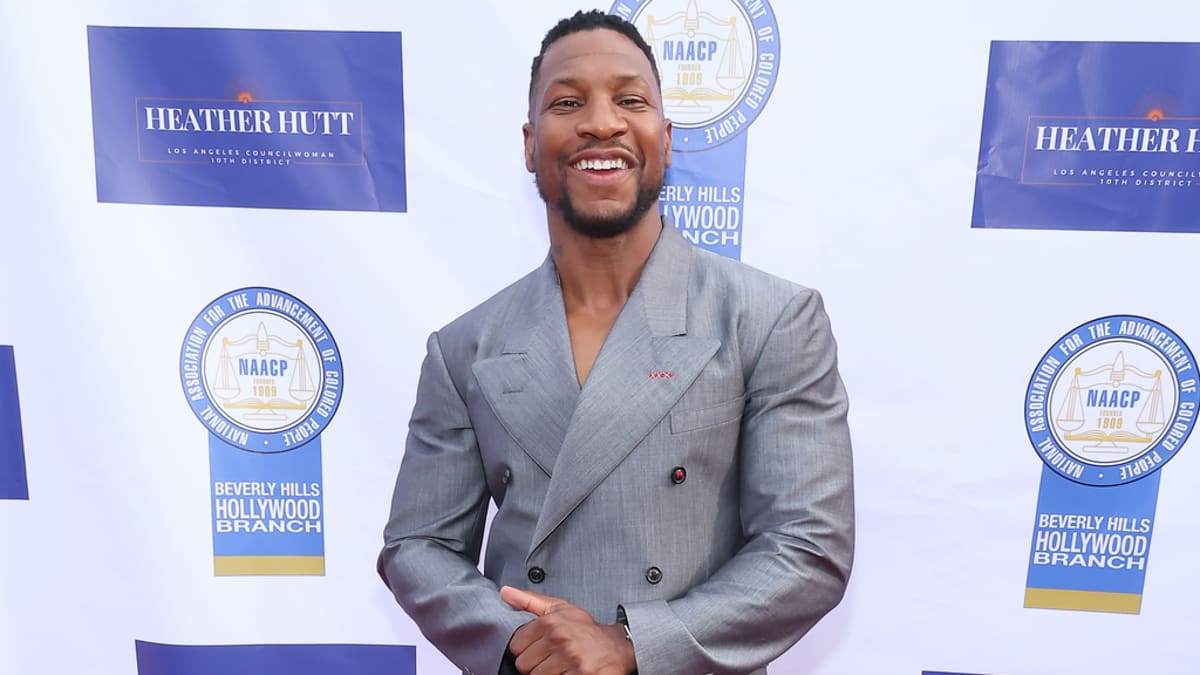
column 1090, row 136
column 1092, row 539
column 13, row 484
column 263, row 374
column 162, row 659
column 1108, row 405
column 253, row 118
column 269, row 506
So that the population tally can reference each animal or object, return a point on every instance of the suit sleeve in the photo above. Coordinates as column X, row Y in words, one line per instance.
column 433, row 537
column 797, row 514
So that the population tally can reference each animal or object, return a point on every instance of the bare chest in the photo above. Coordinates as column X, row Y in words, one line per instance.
column 588, row 330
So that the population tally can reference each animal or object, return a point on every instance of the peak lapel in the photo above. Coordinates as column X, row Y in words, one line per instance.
column 531, row 385
column 646, row 364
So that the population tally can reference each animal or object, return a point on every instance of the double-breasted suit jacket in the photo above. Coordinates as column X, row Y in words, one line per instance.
column 700, row 479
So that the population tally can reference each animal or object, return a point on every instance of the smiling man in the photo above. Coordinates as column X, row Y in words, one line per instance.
column 662, row 430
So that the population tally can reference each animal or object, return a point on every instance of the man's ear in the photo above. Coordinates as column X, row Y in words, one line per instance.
column 527, row 132
column 667, row 126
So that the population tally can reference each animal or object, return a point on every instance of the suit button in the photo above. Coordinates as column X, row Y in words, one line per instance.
column 678, row 475
column 537, row 575
column 654, row 575
column 506, row 476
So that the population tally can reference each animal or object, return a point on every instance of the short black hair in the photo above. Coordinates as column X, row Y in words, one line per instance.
column 592, row 20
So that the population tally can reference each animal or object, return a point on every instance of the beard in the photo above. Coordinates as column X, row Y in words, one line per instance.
column 607, row 225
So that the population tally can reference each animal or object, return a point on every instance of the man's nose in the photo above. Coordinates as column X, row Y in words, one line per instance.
column 603, row 120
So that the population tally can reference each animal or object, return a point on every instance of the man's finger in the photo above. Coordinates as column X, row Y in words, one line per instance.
column 529, row 601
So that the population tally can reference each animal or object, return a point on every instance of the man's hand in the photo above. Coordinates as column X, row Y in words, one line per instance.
column 566, row 639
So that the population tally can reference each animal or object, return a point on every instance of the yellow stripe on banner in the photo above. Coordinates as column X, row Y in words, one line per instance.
column 1088, row 601
column 249, row 565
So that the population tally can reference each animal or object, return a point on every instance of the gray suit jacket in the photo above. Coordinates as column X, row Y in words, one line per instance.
column 712, row 367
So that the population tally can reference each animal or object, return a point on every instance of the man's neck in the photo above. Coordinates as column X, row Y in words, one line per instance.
column 599, row 274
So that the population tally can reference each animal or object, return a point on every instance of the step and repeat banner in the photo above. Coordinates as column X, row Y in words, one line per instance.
column 229, row 227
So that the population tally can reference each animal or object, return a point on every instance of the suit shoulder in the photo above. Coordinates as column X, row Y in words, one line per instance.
column 472, row 327
column 715, row 277
column 743, row 305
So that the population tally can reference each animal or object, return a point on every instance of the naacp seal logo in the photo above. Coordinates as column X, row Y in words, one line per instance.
column 1112, row 401
column 261, row 370
column 718, row 60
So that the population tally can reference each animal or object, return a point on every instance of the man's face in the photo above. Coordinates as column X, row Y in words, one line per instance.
column 596, row 140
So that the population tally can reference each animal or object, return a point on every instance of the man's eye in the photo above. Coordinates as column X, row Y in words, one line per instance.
column 632, row 101
column 565, row 103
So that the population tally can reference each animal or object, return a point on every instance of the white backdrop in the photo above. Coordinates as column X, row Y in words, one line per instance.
column 859, row 182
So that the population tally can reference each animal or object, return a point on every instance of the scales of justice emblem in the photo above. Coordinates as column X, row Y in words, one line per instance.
column 265, row 375
column 1113, row 409
column 703, row 57
column 261, row 371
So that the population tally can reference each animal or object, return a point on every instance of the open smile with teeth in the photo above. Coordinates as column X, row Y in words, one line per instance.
column 600, row 164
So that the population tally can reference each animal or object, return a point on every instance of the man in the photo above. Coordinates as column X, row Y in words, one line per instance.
column 662, row 430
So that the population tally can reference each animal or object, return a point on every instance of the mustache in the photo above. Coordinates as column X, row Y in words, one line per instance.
column 609, row 145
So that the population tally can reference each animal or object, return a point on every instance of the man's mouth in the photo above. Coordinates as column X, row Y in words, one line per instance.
column 600, row 164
